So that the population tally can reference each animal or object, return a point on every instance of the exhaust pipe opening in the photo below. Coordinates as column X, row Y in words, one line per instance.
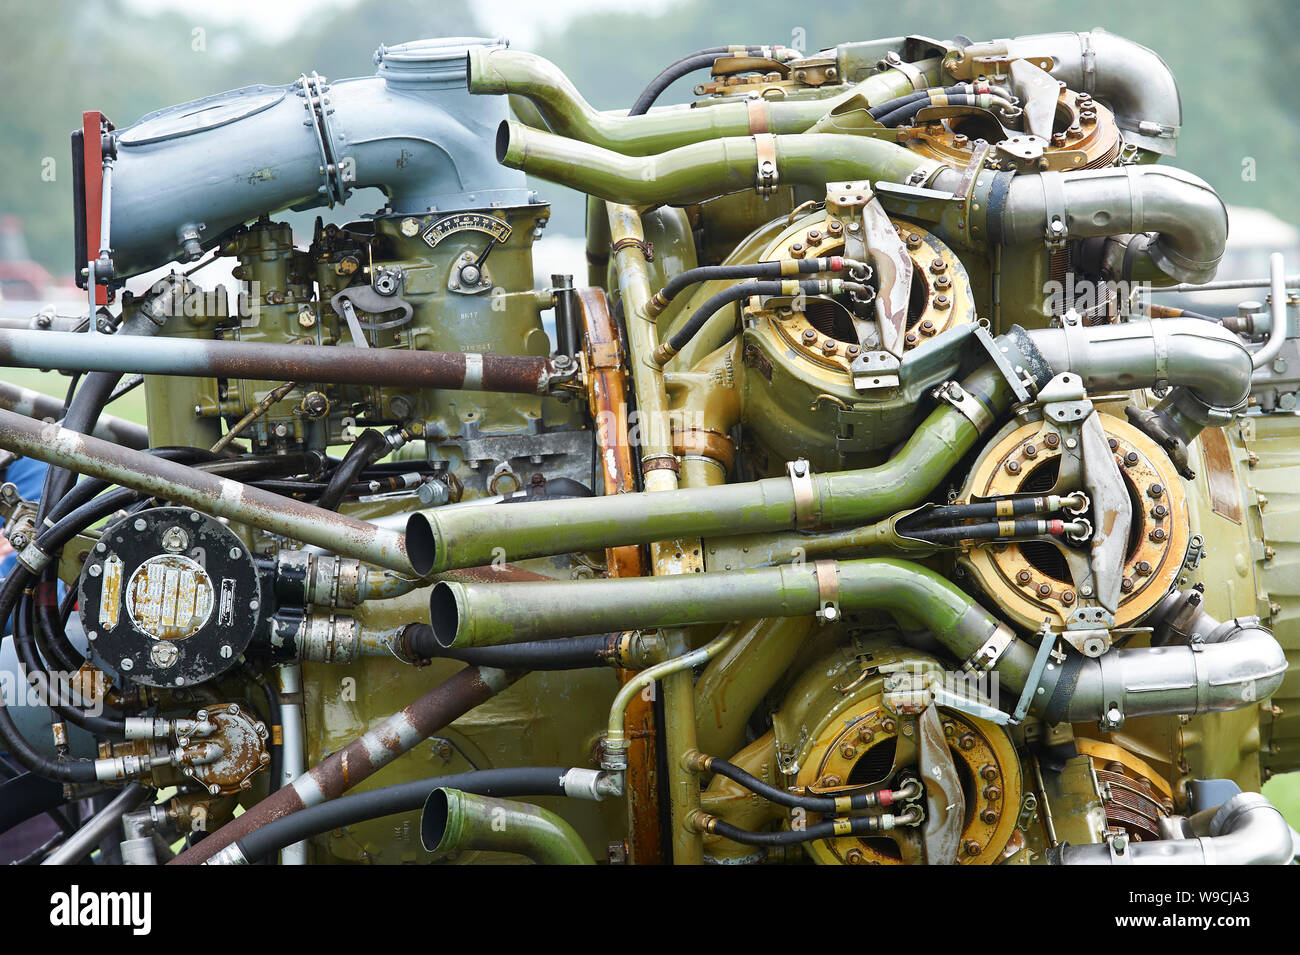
column 503, row 140
column 421, row 544
column 433, row 821
column 444, row 615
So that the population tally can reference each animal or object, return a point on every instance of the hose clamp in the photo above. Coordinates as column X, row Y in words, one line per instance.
column 915, row 75
column 805, row 493
column 1160, row 349
column 766, row 175
column 646, row 248
column 965, row 402
column 660, row 462
column 827, row 573
column 757, row 116
column 1056, row 229
column 987, row 656
column 33, row 558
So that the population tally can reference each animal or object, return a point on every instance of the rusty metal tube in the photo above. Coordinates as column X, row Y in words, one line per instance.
column 357, row 761
column 209, row 493
column 325, row 364
column 33, row 404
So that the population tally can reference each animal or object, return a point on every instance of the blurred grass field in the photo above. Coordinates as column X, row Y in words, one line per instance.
column 1284, row 791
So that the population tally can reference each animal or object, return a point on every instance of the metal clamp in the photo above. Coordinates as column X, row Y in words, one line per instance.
column 987, row 656
column 1047, row 642
column 970, row 406
column 1004, row 366
column 766, row 174
column 804, row 492
column 827, row 573
column 1056, row 231
column 646, row 248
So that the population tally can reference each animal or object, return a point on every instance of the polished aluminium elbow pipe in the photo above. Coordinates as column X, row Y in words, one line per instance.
column 565, row 112
column 1245, row 830
column 1132, row 80
column 1188, row 217
column 222, row 497
column 453, row 820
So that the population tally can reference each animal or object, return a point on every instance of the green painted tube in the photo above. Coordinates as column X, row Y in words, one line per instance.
column 703, row 170
column 447, row 538
column 562, row 107
column 454, row 820
column 473, row 614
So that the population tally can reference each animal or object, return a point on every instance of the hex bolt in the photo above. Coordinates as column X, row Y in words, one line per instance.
column 966, row 741
column 1158, row 534
column 1024, row 576
column 1051, row 439
column 1143, row 568
column 1131, row 458
column 989, row 772
column 971, row 847
column 855, row 857
column 913, row 241
column 1159, row 511
column 989, row 816
column 888, row 724
column 1013, row 467
column 1031, row 450
column 938, row 265
column 1067, row 598
column 992, row 793
column 941, row 301
column 1044, row 590
column 809, row 335
column 1126, row 585
column 848, row 751
column 1155, row 490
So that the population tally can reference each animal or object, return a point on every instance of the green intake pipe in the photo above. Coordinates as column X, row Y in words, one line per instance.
column 564, row 110
column 703, row 170
column 447, row 538
column 473, row 614
column 454, row 820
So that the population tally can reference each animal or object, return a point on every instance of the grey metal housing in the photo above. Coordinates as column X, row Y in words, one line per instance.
column 187, row 174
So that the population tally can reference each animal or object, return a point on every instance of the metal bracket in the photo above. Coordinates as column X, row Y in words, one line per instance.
column 1004, row 366
column 1047, row 643
column 804, row 491
column 1057, row 230
column 827, row 573
column 766, row 175
column 875, row 370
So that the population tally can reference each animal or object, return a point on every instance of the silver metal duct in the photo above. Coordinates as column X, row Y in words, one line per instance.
column 189, row 173
column 1245, row 830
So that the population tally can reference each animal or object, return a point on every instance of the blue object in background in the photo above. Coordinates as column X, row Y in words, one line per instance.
column 28, row 476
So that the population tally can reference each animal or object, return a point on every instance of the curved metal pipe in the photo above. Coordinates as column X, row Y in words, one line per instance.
column 703, row 170
column 1277, row 300
column 1203, row 357
column 455, row 820
column 1188, row 217
column 1135, row 82
column 1246, row 830
column 563, row 109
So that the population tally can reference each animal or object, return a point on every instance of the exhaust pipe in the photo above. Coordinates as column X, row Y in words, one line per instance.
column 453, row 820
column 703, row 170
column 1236, row 664
column 565, row 112
column 1216, row 365
column 1245, row 830
column 187, row 174
column 1134, row 82
column 1106, row 206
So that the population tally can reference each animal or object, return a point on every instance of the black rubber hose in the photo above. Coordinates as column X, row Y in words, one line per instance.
column 783, row 797
column 28, row 795
column 571, row 653
column 680, row 338
column 275, row 724
column 754, row 270
column 836, row 828
column 908, row 110
column 673, row 72
column 889, row 106
column 403, row 797
column 368, row 448
column 38, row 677
column 991, row 530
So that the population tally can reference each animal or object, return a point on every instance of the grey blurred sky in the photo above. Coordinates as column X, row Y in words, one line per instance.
column 522, row 21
